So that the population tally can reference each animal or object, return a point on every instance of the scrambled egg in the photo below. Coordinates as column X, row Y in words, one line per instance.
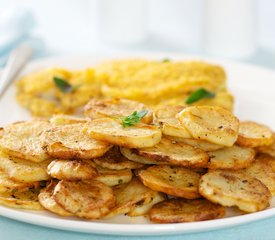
column 152, row 82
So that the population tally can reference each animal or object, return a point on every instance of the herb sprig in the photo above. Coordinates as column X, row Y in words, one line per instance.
column 63, row 85
column 198, row 95
column 134, row 118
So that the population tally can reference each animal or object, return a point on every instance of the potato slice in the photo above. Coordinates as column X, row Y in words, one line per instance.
column 115, row 107
column 113, row 159
column 62, row 119
column 175, row 181
column 234, row 157
column 130, row 195
column 233, row 189
column 252, row 134
column 262, row 169
column 175, row 153
column 70, row 142
column 112, row 131
column 203, row 145
column 21, row 200
column 170, row 125
column 212, row 124
column 181, row 210
column 270, row 150
column 141, row 208
column 23, row 170
column 130, row 154
column 9, row 185
column 113, row 177
column 23, row 140
column 91, row 200
column 71, row 170
column 46, row 199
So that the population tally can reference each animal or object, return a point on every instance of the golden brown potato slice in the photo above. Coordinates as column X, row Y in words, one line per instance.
column 62, row 119
column 71, row 170
column 131, row 154
column 21, row 200
column 91, row 200
column 115, row 107
column 170, row 125
column 175, row 181
column 112, row 131
column 270, row 150
column 234, row 157
column 113, row 159
column 175, row 153
column 203, row 145
column 23, row 140
column 181, row 210
column 252, row 134
column 263, row 169
column 113, row 177
column 9, row 185
column 141, row 208
column 212, row 124
column 70, row 142
column 128, row 196
column 46, row 199
column 23, row 170
column 233, row 189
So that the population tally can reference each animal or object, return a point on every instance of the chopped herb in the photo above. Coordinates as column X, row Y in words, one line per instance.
column 198, row 95
column 64, row 86
column 134, row 118
column 165, row 60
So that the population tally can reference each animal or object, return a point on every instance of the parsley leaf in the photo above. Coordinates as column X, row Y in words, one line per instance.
column 63, row 85
column 198, row 95
column 134, row 118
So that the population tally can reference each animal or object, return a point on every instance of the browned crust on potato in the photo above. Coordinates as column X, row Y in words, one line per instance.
column 181, row 210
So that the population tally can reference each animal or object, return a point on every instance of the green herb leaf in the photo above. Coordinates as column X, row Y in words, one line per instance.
column 63, row 85
column 134, row 118
column 198, row 95
column 165, row 60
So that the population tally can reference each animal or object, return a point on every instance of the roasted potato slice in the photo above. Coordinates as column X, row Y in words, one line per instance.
column 128, row 196
column 270, row 150
column 175, row 181
column 141, row 208
column 21, row 200
column 201, row 144
column 170, row 125
column 262, row 169
column 91, row 200
column 23, row 170
column 112, row 131
column 23, row 140
column 113, row 159
column 130, row 154
column 252, row 134
column 212, row 124
column 62, row 119
column 181, row 210
column 115, row 107
column 71, row 170
column 234, row 157
column 46, row 199
column 233, row 189
column 9, row 185
column 70, row 142
column 175, row 153
column 113, row 177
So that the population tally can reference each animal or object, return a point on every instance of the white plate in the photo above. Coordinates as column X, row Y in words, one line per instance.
column 253, row 88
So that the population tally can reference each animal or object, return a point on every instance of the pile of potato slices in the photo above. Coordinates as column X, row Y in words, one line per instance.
column 176, row 164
